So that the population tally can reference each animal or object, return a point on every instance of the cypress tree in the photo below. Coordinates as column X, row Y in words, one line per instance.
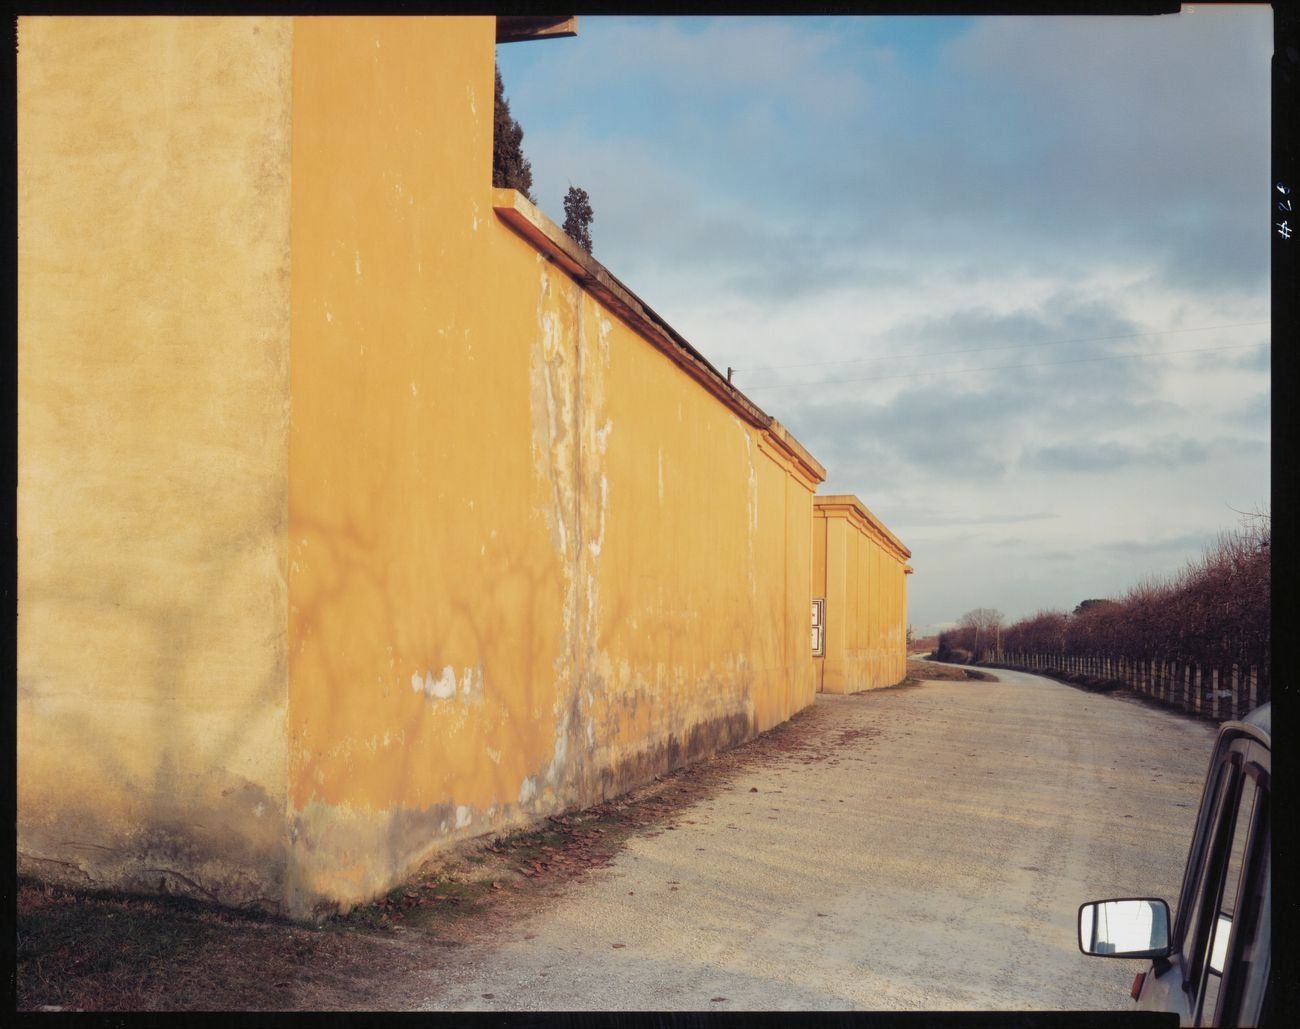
column 510, row 168
column 578, row 217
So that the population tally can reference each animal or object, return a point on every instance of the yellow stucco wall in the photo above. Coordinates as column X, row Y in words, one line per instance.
column 860, row 568
column 531, row 561
column 331, row 556
column 153, row 264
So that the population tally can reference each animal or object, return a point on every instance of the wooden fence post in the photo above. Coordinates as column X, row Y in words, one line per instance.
column 1196, row 686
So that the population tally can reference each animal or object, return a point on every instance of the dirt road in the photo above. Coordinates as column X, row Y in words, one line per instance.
column 928, row 850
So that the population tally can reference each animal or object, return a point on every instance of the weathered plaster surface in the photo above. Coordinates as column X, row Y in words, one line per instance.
column 428, row 601
column 526, row 549
column 153, row 278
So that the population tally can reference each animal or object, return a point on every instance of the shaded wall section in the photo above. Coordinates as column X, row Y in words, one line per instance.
column 153, row 283
column 860, row 569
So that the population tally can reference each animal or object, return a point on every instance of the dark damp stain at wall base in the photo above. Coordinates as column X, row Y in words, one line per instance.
column 702, row 741
column 378, row 850
column 235, row 858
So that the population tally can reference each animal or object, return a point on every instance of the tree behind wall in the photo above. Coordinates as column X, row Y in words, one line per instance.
column 510, row 168
column 578, row 217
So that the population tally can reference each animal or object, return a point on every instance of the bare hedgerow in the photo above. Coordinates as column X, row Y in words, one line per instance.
column 1214, row 613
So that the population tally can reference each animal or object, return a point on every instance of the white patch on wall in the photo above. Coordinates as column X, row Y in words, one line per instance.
column 556, row 770
column 440, row 688
column 444, row 686
column 494, row 756
column 470, row 683
column 527, row 790
column 595, row 545
column 474, row 216
column 471, row 680
column 469, row 92
column 329, row 317
column 415, row 390
column 463, row 816
column 357, row 263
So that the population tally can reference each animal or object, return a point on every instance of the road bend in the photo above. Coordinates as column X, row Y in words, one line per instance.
column 933, row 858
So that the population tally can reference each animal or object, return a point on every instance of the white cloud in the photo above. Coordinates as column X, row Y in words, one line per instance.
column 1043, row 180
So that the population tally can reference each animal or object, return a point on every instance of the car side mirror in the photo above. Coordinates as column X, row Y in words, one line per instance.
column 1127, row 928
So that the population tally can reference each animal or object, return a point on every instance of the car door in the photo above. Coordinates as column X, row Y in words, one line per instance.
column 1223, row 928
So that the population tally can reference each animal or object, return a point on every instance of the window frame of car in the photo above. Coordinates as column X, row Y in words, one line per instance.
column 1237, row 760
column 1252, row 893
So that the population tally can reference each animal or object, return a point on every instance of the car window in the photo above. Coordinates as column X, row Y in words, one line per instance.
column 1254, row 952
column 1216, row 929
column 1242, row 990
column 1195, row 905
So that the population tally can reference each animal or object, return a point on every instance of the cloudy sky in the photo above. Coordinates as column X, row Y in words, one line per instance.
column 1006, row 278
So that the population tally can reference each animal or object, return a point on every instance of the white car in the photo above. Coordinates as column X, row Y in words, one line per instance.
column 1213, row 967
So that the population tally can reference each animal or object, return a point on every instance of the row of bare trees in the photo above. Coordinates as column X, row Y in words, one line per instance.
column 976, row 638
column 1214, row 613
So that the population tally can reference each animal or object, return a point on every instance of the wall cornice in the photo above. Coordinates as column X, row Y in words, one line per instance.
column 845, row 505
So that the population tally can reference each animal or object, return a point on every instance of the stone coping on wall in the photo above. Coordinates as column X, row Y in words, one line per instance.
column 518, row 28
column 846, row 505
column 515, row 209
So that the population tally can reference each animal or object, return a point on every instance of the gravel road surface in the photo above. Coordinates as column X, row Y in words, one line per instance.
column 928, row 850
